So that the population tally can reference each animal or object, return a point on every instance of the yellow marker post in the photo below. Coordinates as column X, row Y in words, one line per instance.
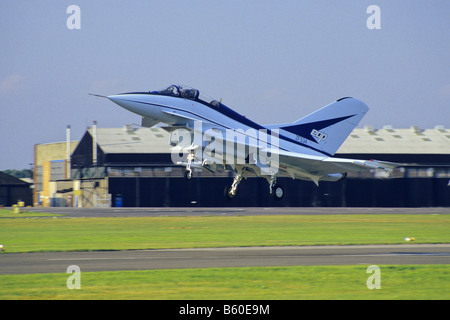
column 16, row 209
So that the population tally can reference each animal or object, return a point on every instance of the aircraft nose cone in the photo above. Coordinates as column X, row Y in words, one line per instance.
column 115, row 98
column 122, row 101
column 129, row 102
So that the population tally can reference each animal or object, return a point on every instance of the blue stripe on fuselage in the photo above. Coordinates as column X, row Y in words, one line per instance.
column 226, row 111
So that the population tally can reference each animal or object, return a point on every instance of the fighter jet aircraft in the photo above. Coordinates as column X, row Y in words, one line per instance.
column 209, row 135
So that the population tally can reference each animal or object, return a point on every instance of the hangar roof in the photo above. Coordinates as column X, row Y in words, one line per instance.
column 8, row 180
column 389, row 140
column 132, row 140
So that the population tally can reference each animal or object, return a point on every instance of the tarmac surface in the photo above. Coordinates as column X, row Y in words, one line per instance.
column 58, row 262
column 229, row 211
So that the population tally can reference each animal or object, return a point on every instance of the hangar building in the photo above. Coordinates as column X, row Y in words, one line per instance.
column 14, row 190
column 133, row 167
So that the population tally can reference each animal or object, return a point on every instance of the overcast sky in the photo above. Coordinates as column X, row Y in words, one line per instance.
column 273, row 61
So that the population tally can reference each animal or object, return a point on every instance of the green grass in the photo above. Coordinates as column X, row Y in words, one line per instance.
column 268, row 283
column 8, row 213
column 81, row 234
column 44, row 232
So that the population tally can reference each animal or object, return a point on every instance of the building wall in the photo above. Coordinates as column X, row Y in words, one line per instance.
column 94, row 193
column 145, row 178
column 50, row 164
column 12, row 194
column 209, row 192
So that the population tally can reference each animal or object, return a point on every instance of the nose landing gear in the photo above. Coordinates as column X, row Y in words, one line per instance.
column 188, row 173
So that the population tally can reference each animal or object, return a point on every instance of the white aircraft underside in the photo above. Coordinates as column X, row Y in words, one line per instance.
column 213, row 135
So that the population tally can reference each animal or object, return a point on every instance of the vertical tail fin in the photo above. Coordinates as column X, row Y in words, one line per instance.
column 327, row 128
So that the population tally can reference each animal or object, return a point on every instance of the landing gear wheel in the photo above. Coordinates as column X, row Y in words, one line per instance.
column 277, row 192
column 188, row 174
column 227, row 193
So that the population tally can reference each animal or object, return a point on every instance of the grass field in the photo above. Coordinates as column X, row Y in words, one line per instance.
column 278, row 283
column 41, row 232
column 80, row 234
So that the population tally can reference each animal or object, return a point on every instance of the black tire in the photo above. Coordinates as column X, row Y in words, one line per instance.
column 188, row 175
column 277, row 192
column 227, row 194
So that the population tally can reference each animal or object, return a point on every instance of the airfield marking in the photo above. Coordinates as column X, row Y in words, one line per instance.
column 125, row 258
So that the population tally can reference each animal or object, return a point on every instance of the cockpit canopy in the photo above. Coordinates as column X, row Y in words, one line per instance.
column 187, row 93
column 179, row 91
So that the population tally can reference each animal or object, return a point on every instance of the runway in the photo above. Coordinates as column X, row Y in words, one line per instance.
column 58, row 262
column 229, row 211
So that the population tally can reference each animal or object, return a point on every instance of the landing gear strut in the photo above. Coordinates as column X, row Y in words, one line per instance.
column 188, row 173
column 276, row 191
column 230, row 191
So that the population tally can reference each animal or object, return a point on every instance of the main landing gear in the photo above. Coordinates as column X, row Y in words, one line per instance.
column 230, row 191
column 276, row 191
